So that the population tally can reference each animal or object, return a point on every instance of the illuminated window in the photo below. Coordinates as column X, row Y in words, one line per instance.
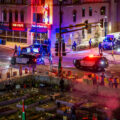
column 22, row 16
column 103, row 10
column 74, row 15
column 83, row 12
column 90, row 11
column 16, row 16
column 4, row 15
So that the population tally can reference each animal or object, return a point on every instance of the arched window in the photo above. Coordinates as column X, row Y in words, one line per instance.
column 90, row 11
column 74, row 15
column 16, row 16
column 103, row 10
column 4, row 15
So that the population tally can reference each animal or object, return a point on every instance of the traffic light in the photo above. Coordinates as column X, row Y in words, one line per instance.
column 101, row 23
column 86, row 24
column 56, row 48
column 63, row 49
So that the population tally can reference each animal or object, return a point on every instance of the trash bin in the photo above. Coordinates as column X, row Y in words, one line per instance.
column 4, row 42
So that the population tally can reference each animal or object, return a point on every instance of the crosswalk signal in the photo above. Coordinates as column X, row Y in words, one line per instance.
column 63, row 49
column 101, row 23
column 56, row 48
column 86, row 24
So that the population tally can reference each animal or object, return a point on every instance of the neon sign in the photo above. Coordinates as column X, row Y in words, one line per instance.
column 18, row 26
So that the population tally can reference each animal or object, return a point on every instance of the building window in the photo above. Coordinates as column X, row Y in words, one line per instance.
column 10, row 16
column 74, row 15
column 83, row 12
column 90, row 11
column 75, row 1
column 42, row 2
column 16, row 16
column 103, row 10
column 39, row 18
column 4, row 15
column 22, row 16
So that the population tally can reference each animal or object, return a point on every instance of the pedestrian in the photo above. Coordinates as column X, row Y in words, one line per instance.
column 19, row 50
column 62, row 85
column 90, row 43
column 94, row 80
column 15, row 50
column 115, row 82
column 111, row 81
column 102, row 79
column 100, row 48
column 73, row 113
column 74, row 45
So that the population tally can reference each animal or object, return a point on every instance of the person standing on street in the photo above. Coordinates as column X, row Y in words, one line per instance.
column 62, row 85
column 90, row 43
column 100, row 48
column 15, row 50
column 102, row 79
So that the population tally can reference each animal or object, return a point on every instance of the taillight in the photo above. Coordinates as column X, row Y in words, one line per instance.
column 35, row 60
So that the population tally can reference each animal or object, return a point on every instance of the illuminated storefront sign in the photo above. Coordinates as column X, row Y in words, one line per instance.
column 18, row 26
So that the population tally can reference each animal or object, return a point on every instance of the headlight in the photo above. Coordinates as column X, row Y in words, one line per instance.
column 74, row 61
column 118, row 50
column 102, row 62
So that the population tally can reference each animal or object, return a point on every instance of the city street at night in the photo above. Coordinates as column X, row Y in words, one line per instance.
column 59, row 60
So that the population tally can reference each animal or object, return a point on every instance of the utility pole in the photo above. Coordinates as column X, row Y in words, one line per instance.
column 60, row 40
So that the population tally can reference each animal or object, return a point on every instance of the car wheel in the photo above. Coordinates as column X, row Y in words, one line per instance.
column 13, row 61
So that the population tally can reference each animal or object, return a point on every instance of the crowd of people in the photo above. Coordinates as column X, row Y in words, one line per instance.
column 113, row 82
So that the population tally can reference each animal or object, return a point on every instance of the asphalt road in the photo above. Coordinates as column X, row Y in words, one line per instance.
column 5, row 56
column 67, row 62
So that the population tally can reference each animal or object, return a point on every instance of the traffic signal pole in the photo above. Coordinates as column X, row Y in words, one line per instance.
column 60, row 40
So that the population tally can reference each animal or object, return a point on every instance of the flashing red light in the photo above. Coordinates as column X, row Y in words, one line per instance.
column 35, row 60
column 91, row 56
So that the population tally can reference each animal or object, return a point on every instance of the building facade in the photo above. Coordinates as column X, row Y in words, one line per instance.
column 28, row 21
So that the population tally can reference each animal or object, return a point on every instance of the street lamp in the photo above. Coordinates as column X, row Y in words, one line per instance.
column 60, row 39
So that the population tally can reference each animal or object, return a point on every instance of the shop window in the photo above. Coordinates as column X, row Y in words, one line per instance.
column 74, row 15
column 16, row 16
column 90, row 11
column 16, row 33
column 23, row 34
column 22, row 16
column 4, row 15
column 103, row 10
column 83, row 12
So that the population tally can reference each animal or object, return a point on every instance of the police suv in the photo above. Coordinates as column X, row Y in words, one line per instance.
column 97, row 63
column 27, row 59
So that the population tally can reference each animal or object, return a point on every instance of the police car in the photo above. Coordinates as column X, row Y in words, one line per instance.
column 97, row 63
column 27, row 59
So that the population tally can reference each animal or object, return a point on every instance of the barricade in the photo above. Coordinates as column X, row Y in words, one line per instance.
column 8, row 74
column 14, row 73
column 26, row 71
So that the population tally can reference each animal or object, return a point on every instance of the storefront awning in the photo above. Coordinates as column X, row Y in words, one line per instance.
column 39, row 30
column 63, row 30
